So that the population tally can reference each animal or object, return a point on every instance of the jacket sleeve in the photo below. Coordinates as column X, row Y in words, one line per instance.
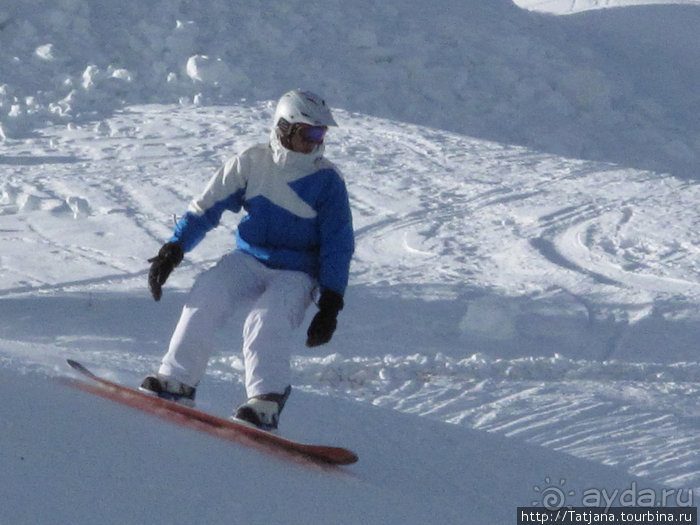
column 225, row 191
column 337, row 237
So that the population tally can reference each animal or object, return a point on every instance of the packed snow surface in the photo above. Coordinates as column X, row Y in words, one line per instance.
column 614, row 85
column 523, row 315
column 567, row 7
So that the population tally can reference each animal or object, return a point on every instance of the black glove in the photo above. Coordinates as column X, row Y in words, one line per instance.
column 169, row 256
column 323, row 325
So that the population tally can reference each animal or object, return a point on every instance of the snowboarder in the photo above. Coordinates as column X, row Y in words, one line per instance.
column 295, row 240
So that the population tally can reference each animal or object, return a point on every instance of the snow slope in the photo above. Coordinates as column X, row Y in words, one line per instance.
column 518, row 323
column 77, row 469
column 612, row 85
column 567, row 7
column 500, row 338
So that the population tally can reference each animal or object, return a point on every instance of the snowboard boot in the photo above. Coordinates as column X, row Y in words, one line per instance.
column 263, row 411
column 168, row 388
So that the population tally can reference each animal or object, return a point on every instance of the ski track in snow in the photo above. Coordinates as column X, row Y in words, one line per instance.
column 576, row 6
column 523, row 286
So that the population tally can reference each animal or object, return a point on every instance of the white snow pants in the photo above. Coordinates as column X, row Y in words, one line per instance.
column 277, row 301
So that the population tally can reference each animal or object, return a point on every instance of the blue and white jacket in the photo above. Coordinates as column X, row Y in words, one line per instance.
column 298, row 214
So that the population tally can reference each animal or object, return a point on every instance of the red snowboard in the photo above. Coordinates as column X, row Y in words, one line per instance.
column 216, row 426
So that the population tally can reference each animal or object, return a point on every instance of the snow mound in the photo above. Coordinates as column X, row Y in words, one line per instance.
column 97, row 461
column 593, row 86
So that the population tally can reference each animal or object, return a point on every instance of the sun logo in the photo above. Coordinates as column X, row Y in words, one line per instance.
column 552, row 496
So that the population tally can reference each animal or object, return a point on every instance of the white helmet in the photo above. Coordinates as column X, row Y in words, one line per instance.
column 304, row 106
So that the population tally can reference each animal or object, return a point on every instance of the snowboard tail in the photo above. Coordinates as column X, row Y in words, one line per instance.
column 208, row 423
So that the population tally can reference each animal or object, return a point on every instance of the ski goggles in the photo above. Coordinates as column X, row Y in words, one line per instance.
column 310, row 133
